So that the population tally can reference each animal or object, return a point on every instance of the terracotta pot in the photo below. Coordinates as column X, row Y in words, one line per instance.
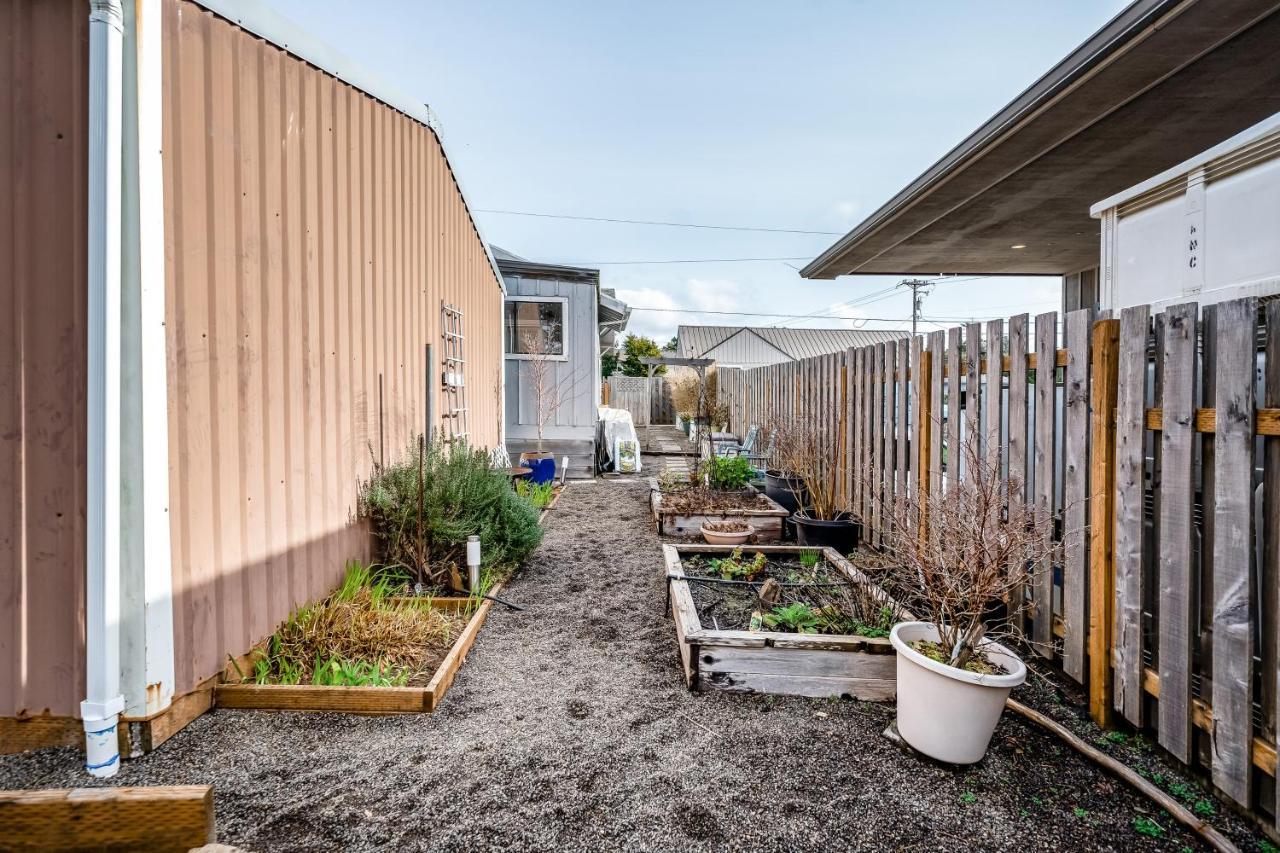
column 715, row 537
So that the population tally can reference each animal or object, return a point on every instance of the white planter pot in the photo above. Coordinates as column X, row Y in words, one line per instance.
column 948, row 713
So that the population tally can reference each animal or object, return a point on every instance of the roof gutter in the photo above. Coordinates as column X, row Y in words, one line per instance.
column 1116, row 36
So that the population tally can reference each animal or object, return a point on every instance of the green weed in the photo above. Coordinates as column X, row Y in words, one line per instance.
column 1148, row 827
column 796, row 617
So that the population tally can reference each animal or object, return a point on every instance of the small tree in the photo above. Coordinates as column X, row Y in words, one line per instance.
column 547, row 389
column 635, row 348
column 963, row 551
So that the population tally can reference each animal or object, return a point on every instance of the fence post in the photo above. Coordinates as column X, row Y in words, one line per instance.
column 1104, row 369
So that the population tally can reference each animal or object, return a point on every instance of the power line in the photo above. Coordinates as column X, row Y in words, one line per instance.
column 663, row 224
column 684, row 261
column 757, row 314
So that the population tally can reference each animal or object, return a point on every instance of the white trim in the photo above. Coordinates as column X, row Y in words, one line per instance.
column 1204, row 158
column 103, row 700
column 252, row 16
column 564, row 328
column 147, row 648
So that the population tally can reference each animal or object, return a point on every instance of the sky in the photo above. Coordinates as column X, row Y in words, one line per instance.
column 799, row 115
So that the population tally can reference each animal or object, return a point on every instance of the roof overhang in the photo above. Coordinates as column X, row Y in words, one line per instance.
column 1162, row 81
column 533, row 269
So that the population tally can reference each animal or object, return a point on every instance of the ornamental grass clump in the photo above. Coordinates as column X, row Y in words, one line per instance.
column 422, row 509
column 360, row 636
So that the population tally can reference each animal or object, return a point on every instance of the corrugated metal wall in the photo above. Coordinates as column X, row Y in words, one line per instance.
column 44, row 53
column 311, row 234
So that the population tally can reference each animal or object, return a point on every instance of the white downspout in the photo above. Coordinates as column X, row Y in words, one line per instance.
column 101, row 708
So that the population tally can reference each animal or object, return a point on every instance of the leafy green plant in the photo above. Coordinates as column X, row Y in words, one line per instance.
column 539, row 495
column 1204, row 808
column 797, row 617
column 337, row 672
column 733, row 568
column 1148, row 827
column 809, row 559
column 423, row 508
column 732, row 472
column 1079, row 812
column 1116, row 737
column 968, row 798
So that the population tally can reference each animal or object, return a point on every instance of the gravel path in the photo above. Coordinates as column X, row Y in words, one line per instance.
column 569, row 729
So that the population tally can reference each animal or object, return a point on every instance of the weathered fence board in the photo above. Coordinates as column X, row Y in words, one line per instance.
column 1045, row 432
column 1018, row 424
column 1178, row 357
column 902, row 419
column 953, row 455
column 1075, row 468
column 1232, row 508
column 1269, row 567
column 1131, row 399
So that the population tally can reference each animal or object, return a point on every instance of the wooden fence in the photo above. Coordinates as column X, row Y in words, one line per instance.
column 648, row 404
column 1155, row 441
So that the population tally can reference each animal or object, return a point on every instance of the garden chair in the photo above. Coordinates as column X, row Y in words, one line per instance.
column 746, row 448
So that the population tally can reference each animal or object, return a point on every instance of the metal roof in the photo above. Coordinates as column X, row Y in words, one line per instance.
column 1161, row 81
column 698, row 341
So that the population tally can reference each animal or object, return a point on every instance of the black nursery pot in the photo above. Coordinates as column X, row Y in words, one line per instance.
column 843, row 533
column 783, row 488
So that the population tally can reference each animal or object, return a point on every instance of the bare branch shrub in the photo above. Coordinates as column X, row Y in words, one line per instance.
column 808, row 446
column 960, row 552
column 548, row 391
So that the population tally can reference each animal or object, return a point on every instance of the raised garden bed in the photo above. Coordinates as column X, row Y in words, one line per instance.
column 373, row 700
column 720, row 651
column 683, row 512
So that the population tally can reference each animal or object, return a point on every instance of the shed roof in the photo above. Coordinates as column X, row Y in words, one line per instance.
column 697, row 341
column 1158, row 83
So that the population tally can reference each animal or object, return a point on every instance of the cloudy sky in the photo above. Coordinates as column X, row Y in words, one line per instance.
column 791, row 115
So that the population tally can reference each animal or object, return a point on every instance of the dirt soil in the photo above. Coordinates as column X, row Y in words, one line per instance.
column 570, row 729
column 698, row 500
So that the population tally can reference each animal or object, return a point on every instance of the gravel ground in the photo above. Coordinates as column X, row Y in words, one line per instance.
column 570, row 729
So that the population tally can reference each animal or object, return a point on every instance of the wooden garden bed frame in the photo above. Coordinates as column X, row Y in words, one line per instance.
column 767, row 522
column 141, row 819
column 816, row 665
column 370, row 701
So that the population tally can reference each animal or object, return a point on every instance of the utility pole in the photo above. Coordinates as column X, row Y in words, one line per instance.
column 917, row 299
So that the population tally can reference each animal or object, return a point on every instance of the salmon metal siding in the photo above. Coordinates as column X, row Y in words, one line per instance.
column 44, row 54
column 311, row 234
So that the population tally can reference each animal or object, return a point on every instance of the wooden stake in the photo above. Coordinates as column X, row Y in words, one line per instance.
column 1102, row 485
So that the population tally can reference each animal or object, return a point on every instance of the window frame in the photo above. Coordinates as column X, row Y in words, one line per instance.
column 564, row 328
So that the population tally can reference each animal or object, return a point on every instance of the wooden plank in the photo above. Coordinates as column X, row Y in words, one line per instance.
column 857, row 468
column 1233, row 610
column 803, row 662
column 1129, row 528
column 22, row 734
column 877, row 444
column 1017, row 468
column 953, row 453
column 1266, row 421
column 308, row 697
column 902, row 419
column 443, row 679
column 1269, row 564
column 1104, row 362
column 919, row 419
column 937, row 359
column 994, row 402
column 973, row 387
column 1075, row 470
column 177, row 818
column 1178, row 358
column 849, row 413
column 862, row 689
column 890, row 442
column 1046, row 403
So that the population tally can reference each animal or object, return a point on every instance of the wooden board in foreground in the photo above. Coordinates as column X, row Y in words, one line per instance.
column 135, row 819
column 371, row 701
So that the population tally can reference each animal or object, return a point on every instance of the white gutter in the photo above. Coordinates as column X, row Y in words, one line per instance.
column 104, row 702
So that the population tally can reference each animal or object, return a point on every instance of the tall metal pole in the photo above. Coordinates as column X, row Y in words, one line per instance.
column 917, row 299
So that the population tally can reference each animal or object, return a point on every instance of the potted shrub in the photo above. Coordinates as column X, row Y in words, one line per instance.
column 963, row 564
column 807, row 447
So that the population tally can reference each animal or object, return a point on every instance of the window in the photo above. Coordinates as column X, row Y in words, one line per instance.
column 535, row 326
